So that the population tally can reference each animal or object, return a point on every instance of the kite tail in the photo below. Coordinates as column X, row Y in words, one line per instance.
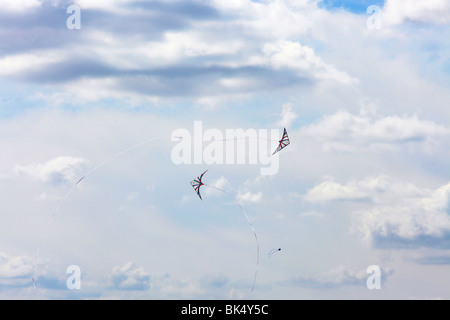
column 55, row 212
column 253, row 229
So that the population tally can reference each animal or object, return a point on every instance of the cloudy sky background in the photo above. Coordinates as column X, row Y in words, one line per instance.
column 365, row 181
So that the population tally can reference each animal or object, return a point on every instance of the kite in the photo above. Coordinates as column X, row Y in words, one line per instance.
column 283, row 143
column 197, row 183
column 271, row 252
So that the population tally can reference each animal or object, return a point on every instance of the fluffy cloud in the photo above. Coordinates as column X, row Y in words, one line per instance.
column 214, row 285
column 399, row 11
column 287, row 116
column 378, row 189
column 393, row 214
column 249, row 57
column 13, row 65
column 15, row 271
column 336, row 277
column 178, row 55
column 294, row 56
column 130, row 277
column 14, row 267
column 19, row 6
column 330, row 190
column 59, row 170
column 347, row 132
column 249, row 197
column 408, row 222
column 220, row 183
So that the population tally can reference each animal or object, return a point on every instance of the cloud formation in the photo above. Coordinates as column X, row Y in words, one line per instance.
column 287, row 116
column 142, row 68
column 130, row 277
column 393, row 214
column 164, row 50
column 335, row 278
column 396, row 12
column 249, row 197
column 56, row 171
column 346, row 132
column 19, row 5
column 15, row 269
column 374, row 189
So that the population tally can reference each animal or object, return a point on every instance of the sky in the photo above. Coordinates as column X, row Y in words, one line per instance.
column 129, row 95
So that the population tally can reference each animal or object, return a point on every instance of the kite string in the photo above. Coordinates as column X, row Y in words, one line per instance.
column 233, row 138
column 47, row 227
column 251, row 226
column 66, row 196
column 118, row 154
column 241, row 138
column 272, row 251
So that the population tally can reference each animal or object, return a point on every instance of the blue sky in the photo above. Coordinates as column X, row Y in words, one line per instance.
column 358, row 7
column 365, row 180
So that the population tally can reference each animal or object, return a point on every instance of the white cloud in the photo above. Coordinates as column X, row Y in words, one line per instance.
column 212, row 284
column 126, row 67
column 58, row 170
column 17, row 64
column 344, row 131
column 130, row 277
column 407, row 219
column 19, row 6
column 132, row 196
column 428, row 11
column 288, row 115
column 16, row 271
column 15, row 267
column 376, row 189
column 336, row 277
column 330, row 190
column 46, row 197
column 341, row 276
column 220, row 183
column 118, row 6
column 260, row 55
column 186, row 287
column 248, row 197
column 276, row 18
column 285, row 54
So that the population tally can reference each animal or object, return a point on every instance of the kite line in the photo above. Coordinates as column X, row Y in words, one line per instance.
column 66, row 197
column 197, row 183
column 283, row 143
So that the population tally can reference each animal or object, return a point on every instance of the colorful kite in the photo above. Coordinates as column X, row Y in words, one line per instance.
column 283, row 142
column 197, row 183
